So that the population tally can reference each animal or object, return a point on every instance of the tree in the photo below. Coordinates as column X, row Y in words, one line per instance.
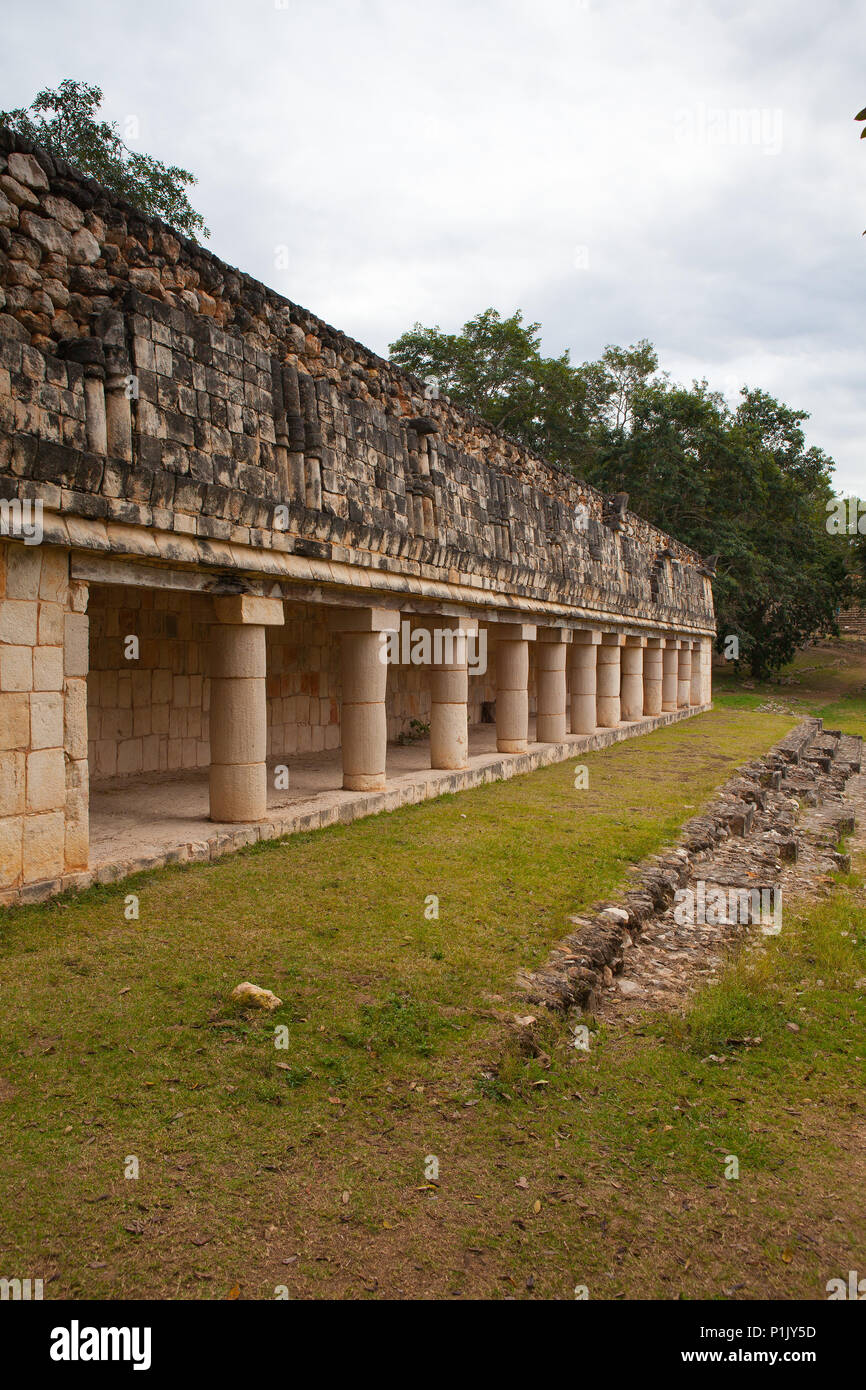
column 64, row 123
column 741, row 484
column 495, row 367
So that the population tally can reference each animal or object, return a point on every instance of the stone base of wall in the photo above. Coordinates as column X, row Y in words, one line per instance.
column 340, row 807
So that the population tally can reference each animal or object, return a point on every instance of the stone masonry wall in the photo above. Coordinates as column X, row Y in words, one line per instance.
column 43, row 718
column 243, row 402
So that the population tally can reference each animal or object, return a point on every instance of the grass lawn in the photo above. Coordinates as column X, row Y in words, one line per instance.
column 304, row 1166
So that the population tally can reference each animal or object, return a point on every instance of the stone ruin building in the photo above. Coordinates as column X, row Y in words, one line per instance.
column 214, row 507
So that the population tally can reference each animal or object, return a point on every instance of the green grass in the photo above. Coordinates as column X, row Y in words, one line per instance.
column 304, row 1165
column 827, row 680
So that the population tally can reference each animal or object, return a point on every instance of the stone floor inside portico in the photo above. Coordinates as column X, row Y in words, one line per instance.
column 160, row 819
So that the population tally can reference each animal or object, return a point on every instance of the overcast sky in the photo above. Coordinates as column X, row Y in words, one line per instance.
column 687, row 171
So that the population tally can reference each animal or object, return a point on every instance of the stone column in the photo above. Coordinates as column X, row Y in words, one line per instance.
column 652, row 676
column 631, row 691
column 684, row 675
column 584, row 681
column 363, row 721
column 697, row 675
column 551, row 649
column 512, row 682
column 449, row 691
column 238, row 707
column 669, row 674
column 706, row 670
column 608, row 701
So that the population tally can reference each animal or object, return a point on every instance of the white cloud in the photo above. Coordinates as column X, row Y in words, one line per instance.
column 423, row 162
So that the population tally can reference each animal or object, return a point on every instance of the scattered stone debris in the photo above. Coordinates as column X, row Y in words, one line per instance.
column 255, row 996
column 774, row 827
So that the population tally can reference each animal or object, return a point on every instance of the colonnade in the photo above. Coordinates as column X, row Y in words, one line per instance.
column 586, row 679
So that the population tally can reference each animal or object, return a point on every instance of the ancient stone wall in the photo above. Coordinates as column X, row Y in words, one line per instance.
column 43, row 716
column 188, row 458
column 243, row 403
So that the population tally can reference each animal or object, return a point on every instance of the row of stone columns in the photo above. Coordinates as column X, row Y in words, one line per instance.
column 614, row 678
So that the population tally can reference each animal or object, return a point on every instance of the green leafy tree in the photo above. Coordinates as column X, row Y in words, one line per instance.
column 65, row 123
column 740, row 484
column 495, row 367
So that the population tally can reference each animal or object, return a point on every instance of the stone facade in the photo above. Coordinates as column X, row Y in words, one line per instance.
column 259, row 500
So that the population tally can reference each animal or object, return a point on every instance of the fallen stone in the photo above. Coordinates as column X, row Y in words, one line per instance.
column 255, row 996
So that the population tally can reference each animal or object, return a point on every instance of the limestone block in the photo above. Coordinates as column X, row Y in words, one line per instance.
column 16, row 668
column 54, row 579
column 24, row 570
column 43, row 846
column 364, row 620
column 11, row 839
column 47, row 668
column 245, row 608
column 27, row 170
column 18, row 621
column 50, row 625
column 46, row 780
column 76, row 655
column 13, row 783
column 14, row 721
column 46, row 719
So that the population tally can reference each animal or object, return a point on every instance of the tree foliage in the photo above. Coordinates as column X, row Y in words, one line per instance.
column 64, row 122
column 738, row 483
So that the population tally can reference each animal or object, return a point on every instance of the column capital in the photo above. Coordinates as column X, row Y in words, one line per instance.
column 514, row 632
column 612, row 639
column 558, row 635
column 246, row 608
column 633, row 640
column 587, row 637
column 364, row 620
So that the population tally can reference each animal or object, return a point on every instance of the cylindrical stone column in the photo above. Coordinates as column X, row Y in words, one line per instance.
column 706, row 670
column 364, row 725
column 449, row 692
column 652, row 676
column 631, row 682
column 695, row 691
column 238, row 724
column 669, row 674
column 363, row 719
column 608, row 699
column 512, row 686
column 584, row 682
column 551, row 719
column 684, row 675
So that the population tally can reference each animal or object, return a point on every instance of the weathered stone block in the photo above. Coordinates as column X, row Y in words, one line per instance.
column 43, row 846
column 46, row 781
